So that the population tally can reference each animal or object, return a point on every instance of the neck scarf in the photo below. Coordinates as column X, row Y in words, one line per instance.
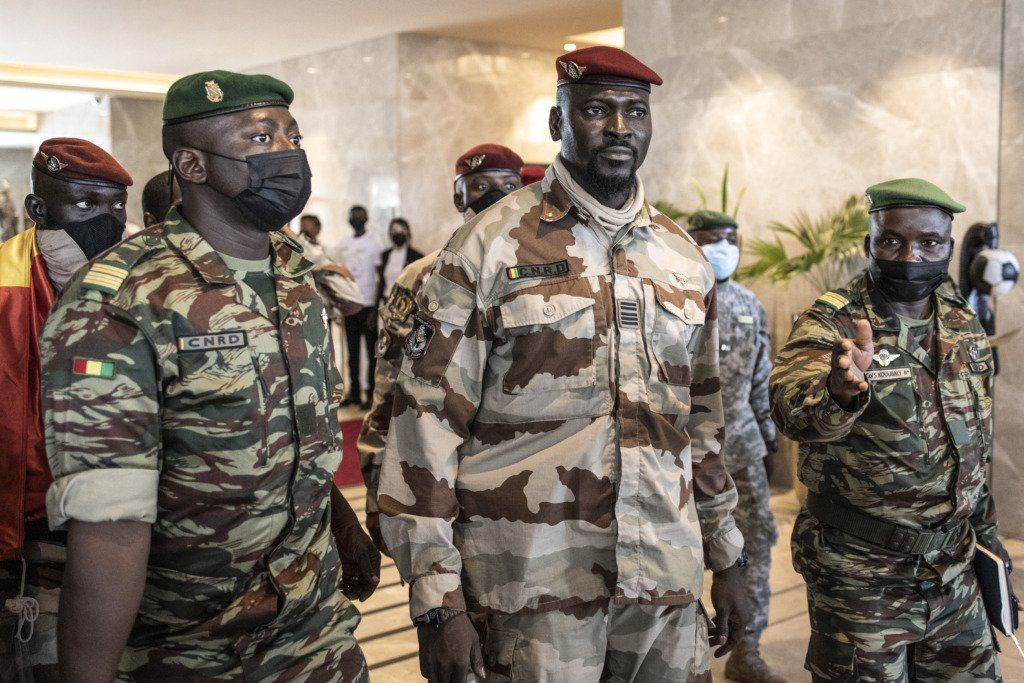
column 608, row 218
column 61, row 254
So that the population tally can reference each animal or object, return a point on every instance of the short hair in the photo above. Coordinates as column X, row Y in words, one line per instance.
column 359, row 207
column 157, row 195
column 401, row 221
column 310, row 216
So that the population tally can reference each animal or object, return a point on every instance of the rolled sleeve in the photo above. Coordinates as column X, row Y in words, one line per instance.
column 101, row 413
column 113, row 495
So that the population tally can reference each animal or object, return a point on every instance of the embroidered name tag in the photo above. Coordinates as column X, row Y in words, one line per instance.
column 978, row 367
column 540, row 270
column 745, row 319
column 212, row 342
column 886, row 375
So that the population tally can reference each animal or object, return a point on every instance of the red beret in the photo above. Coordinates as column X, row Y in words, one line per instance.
column 533, row 173
column 486, row 158
column 605, row 66
column 76, row 160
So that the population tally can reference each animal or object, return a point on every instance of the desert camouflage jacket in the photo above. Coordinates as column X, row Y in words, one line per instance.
column 745, row 356
column 915, row 451
column 172, row 398
column 396, row 316
column 557, row 428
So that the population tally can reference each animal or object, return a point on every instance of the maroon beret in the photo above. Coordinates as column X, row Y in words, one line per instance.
column 76, row 160
column 533, row 173
column 486, row 158
column 603, row 65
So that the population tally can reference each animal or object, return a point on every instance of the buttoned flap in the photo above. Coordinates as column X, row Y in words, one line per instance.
column 677, row 313
column 685, row 304
column 437, row 327
column 550, row 331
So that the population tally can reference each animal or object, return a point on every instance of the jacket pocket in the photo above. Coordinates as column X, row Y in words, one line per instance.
column 678, row 315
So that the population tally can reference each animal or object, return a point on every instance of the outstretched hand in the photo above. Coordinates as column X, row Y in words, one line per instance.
column 850, row 359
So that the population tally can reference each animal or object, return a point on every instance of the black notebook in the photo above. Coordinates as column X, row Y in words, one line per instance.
column 997, row 592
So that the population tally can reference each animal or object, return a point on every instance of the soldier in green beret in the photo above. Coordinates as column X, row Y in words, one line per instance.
column 190, row 402
column 887, row 385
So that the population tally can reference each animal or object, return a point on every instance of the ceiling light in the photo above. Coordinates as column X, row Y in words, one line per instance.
column 612, row 37
column 311, row 70
column 723, row 19
column 569, row 47
column 95, row 80
column 19, row 121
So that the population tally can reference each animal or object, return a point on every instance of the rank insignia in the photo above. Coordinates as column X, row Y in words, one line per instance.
column 973, row 352
column 418, row 339
column 213, row 91
column 474, row 162
column 573, row 70
column 539, row 270
column 885, row 356
column 400, row 304
column 92, row 368
column 105, row 276
column 54, row 165
column 383, row 344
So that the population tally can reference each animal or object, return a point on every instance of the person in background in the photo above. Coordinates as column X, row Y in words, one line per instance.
column 77, row 202
column 887, row 385
column 193, row 432
column 553, row 464
column 394, row 259
column 750, row 439
column 483, row 175
column 158, row 196
column 361, row 255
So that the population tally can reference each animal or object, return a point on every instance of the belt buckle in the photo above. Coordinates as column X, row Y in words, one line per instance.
column 903, row 540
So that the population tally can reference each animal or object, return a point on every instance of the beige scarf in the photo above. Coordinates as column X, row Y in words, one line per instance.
column 608, row 218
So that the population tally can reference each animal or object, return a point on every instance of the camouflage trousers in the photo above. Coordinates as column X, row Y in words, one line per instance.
column 273, row 655
column 615, row 643
column 28, row 648
column 898, row 632
column 755, row 520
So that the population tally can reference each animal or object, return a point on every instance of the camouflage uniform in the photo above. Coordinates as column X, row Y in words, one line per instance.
column 745, row 367
column 213, row 419
column 557, row 428
column 913, row 451
column 396, row 317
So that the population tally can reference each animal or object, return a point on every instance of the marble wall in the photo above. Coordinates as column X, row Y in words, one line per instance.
column 383, row 121
column 15, row 167
column 135, row 141
column 809, row 102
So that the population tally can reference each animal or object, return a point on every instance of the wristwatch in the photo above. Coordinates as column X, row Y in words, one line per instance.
column 741, row 559
column 437, row 616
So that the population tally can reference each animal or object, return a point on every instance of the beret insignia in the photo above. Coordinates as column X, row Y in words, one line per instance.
column 54, row 165
column 475, row 162
column 213, row 91
column 573, row 70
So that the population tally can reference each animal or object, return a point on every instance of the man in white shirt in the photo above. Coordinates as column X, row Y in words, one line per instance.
column 361, row 254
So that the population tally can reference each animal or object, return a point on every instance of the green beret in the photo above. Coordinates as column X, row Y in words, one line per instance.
column 710, row 220
column 213, row 93
column 910, row 192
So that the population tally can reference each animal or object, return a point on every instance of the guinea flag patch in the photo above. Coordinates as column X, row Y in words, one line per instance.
column 93, row 368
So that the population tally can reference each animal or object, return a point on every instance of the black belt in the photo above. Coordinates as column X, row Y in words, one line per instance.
column 887, row 534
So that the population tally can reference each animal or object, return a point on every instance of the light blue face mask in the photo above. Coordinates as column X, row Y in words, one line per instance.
column 724, row 258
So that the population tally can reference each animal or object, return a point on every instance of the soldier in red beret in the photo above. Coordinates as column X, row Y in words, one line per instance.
column 78, row 206
column 553, row 473
column 483, row 175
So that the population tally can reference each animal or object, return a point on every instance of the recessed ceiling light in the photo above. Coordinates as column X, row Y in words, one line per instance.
column 569, row 46
column 367, row 59
column 723, row 19
column 311, row 69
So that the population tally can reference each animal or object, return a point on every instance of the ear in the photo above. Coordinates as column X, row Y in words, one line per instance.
column 867, row 244
column 149, row 219
column 189, row 165
column 460, row 205
column 555, row 123
column 36, row 208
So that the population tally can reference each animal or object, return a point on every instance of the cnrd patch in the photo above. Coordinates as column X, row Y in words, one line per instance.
column 212, row 342
column 537, row 270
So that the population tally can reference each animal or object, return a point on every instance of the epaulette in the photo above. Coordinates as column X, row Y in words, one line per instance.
column 105, row 276
column 833, row 300
column 108, row 273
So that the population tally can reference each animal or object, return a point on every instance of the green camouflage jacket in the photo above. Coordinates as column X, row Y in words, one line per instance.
column 915, row 449
column 557, row 428
column 171, row 398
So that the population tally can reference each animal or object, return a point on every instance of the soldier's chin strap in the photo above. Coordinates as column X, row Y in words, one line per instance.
column 27, row 609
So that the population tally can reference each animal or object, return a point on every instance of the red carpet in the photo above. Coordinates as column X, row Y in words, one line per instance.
column 349, row 473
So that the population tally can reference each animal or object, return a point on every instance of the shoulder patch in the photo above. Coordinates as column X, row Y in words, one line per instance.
column 833, row 300
column 105, row 276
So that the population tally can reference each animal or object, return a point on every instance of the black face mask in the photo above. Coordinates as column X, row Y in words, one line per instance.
column 95, row 235
column 487, row 199
column 399, row 240
column 279, row 187
column 357, row 223
column 908, row 281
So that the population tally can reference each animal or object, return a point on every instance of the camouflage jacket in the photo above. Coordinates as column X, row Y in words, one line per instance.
column 557, row 428
column 396, row 315
column 913, row 451
column 171, row 398
column 745, row 355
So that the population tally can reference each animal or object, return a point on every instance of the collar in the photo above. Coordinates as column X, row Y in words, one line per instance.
column 555, row 204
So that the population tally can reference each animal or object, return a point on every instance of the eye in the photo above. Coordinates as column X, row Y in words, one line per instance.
column 119, row 206
column 262, row 138
column 85, row 204
column 594, row 110
column 930, row 244
column 510, row 186
column 296, row 140
column 890, row 242
column 638, row 112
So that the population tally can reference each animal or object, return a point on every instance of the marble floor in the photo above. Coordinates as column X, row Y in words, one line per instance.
column 389, row 640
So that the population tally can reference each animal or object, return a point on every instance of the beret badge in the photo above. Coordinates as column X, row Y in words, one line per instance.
column 54, row 165
column 213, row 91
column 475, row 161
column 573, row 70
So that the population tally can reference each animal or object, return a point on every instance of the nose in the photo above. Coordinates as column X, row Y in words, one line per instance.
column 618, row 126
column 283, row 143
column 909, row 252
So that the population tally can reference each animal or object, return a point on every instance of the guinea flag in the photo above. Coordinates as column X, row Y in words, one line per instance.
column 95, row 368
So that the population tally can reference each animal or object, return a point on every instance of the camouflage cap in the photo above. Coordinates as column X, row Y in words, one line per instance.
column 910, row 192
column 213, row 93
column 710, row 220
